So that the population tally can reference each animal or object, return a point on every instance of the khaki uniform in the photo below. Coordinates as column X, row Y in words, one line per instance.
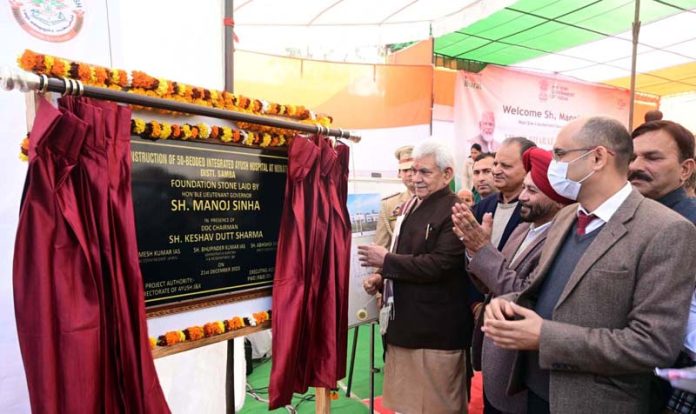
column 388, row 211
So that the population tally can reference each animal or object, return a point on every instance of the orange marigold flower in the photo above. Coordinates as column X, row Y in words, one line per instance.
column 213, row 328
column 60, row 68
column 176, row 131
column 141, row 80
column 156, row 129
column 260, row 317
column 100, row 75
column 234, row 323
column 122, row 78
column 32, row 61
column 194, row 333
column 84, row 72
column 174, row 337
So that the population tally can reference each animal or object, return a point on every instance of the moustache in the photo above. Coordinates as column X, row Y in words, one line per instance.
column 639, row 175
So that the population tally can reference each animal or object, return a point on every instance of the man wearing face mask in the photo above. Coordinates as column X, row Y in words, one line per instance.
column 610, row 298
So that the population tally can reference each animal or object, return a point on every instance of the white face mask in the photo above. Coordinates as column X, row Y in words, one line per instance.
column 558, row 178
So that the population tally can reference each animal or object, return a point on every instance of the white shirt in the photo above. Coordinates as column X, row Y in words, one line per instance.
column 606, row 210
column 690, row 338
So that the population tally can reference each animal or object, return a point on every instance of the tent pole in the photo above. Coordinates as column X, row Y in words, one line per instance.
column 228, row 65
column 228, row 68
column 634, row 56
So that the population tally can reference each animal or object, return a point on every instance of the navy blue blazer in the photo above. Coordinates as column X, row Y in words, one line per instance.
column 489, row 205
column 678, row 201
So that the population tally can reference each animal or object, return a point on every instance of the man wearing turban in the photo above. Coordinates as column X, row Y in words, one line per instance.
column 509, row 270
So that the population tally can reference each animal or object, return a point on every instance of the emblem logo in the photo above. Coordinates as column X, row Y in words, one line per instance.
column 49, row 20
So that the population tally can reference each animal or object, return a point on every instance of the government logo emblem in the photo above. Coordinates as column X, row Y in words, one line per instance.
column 49, row 20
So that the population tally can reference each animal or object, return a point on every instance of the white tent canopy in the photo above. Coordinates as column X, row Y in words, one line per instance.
column 263, row 24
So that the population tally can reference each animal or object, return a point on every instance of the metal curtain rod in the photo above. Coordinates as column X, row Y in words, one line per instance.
column 27, row 81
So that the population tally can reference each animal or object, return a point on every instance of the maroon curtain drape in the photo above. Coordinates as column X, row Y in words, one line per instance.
column 77, row 284
column 310, row 285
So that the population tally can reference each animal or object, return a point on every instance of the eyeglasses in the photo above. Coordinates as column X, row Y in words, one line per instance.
column 559, row 153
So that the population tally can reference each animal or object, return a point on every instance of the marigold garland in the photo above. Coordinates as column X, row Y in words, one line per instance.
column 62, row 68
column 195, row 333
column 144, row 84
column 163, row 130
column 156, row 130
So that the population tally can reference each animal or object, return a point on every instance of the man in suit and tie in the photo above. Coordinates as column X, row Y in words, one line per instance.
column 508, row 175
column 610, row 296
column 499, row 273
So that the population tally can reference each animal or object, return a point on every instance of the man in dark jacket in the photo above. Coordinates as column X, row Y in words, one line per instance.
column 428, row 325
column 663, row 159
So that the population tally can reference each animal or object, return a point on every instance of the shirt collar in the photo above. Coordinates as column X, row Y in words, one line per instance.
column 673, row 198
column 607, row 209
column 536, row 230
column 436, row 195
column 501, row 201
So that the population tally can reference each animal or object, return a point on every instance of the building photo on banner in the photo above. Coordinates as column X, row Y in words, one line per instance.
column 210, row 220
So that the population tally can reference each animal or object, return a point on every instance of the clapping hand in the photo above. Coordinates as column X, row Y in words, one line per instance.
column 521, row 333
column 468, row 230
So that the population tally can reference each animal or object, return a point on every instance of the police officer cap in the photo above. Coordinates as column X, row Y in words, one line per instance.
column 404, row 155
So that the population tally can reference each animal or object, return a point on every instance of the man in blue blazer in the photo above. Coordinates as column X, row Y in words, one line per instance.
column 508, row 176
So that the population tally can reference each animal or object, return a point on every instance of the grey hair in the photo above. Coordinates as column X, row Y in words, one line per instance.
column 609, row 133
column 443, row 155
column 523, row 142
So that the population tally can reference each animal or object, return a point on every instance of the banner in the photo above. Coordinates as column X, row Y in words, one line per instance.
column 498, row 103
column 364, row 213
